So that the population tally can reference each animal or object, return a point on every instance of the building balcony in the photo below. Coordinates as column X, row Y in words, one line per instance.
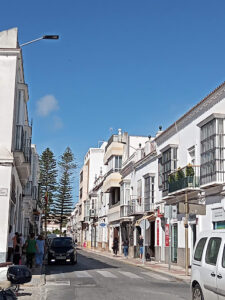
column 184, row 180
column 22, row 152
column 114, row 147
column 139, row 206
column 112, row 180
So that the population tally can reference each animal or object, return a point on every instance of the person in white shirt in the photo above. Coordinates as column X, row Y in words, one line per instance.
column 10, row 244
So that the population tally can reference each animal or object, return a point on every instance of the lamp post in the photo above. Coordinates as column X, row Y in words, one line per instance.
column 44, row 37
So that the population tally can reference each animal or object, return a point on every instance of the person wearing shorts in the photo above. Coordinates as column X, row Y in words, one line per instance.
column 140, row 243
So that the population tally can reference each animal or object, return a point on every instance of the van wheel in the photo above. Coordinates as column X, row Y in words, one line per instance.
column 197, row 293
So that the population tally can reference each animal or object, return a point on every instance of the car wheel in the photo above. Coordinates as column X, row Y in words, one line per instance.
column 197, row 293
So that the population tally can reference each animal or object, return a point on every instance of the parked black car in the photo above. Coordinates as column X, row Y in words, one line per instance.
column 62, row 249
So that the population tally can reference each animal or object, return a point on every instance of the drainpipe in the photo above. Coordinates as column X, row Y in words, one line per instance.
column 186, row 233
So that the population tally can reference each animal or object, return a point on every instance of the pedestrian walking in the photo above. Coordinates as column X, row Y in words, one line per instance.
column 31, row 248
column 17, row 251
column 40, row 243
column 115, row 245
column 10, row 244
column 125, row 248
column 140, row 243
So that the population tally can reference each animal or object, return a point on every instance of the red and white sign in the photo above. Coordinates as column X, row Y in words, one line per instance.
column 157, row 232
column 167, row 235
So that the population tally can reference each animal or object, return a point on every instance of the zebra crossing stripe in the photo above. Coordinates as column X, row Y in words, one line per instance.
column 156, row 276
column 82, row 274
column 106, row 274
column 130, row 275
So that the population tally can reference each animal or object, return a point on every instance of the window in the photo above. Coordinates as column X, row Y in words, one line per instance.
column 223, row 258
column 212, row 151
column 149, row 192
column 139, row 191
column 199, row 249
column 81, row 193
column 160, row 174
column 115, row 163
column 118, row 163
column 212, row 251
column 169, row 164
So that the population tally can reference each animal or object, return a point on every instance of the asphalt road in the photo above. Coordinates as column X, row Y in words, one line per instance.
column 99, row 278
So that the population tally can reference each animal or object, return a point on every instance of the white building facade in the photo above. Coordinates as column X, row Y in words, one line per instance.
column 15, row 139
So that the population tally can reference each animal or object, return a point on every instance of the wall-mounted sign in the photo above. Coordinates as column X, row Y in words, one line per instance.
column 218, row 214
column 3, row 192
column 102, row 224
column 167, row 235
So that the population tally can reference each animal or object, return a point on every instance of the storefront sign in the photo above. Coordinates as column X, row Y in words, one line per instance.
column 218, row 214
column 157, row 232
column 167, row 235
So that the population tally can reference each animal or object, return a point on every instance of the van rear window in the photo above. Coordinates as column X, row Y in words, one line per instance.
column 199, row 249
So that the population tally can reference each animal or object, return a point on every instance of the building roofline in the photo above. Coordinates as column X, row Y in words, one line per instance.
column 189, row 111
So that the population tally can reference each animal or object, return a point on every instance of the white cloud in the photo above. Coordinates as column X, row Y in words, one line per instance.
column 57, row 122
column 46, row 105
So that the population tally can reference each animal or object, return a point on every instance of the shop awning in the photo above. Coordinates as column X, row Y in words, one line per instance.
column 149, row 218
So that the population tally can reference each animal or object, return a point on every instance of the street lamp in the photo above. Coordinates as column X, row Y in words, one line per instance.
column 44, row 37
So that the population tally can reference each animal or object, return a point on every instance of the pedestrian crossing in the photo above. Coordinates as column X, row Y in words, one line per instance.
column 115, row 274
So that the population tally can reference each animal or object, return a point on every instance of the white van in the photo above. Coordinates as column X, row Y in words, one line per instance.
column 208, row 266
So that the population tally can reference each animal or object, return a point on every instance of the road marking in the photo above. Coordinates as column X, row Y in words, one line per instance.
column 156, row 276
column 58, row 282
column 106, row 274
column 82, row 274
column 130, row 275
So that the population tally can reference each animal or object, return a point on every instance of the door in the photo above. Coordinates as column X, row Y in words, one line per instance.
column 221, row 274
column 174, row 243
column 208, row 270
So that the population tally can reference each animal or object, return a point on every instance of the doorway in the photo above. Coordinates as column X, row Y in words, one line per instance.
column 174, row 243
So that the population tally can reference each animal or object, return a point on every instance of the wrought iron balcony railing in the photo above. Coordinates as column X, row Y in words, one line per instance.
column 23, row 143
column 140, row 205
column 183, row 178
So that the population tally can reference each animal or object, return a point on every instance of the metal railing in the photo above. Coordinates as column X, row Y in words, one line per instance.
column 113, row 138
column 22, row 143
column 182, row 178
column 139, row 205
column 28, row 189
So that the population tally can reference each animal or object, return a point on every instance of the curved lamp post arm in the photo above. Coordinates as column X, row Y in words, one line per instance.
column 44, row 37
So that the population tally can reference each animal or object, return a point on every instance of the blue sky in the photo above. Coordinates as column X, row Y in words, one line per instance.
column 124, row 64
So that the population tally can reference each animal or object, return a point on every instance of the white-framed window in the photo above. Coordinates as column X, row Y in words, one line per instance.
column 212, row 151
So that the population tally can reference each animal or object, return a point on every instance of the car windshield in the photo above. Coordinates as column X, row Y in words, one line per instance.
column 61, row 242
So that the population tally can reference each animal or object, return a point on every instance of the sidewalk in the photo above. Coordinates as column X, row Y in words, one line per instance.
column 35, row 289
column 175, row 271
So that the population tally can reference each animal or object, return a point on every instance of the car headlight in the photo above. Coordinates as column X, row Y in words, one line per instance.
column 70, row 251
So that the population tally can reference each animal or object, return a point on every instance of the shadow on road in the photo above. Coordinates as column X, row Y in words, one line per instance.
column 84, row 263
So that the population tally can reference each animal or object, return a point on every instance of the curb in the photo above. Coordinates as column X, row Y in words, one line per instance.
column 177, row 277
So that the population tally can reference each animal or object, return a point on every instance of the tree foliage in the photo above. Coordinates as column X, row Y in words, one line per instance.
column 48, row 179
column 63, row 204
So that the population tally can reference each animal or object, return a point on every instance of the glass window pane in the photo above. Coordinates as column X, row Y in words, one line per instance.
column 199, row 249
column 223, row 258
column 212, row 251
